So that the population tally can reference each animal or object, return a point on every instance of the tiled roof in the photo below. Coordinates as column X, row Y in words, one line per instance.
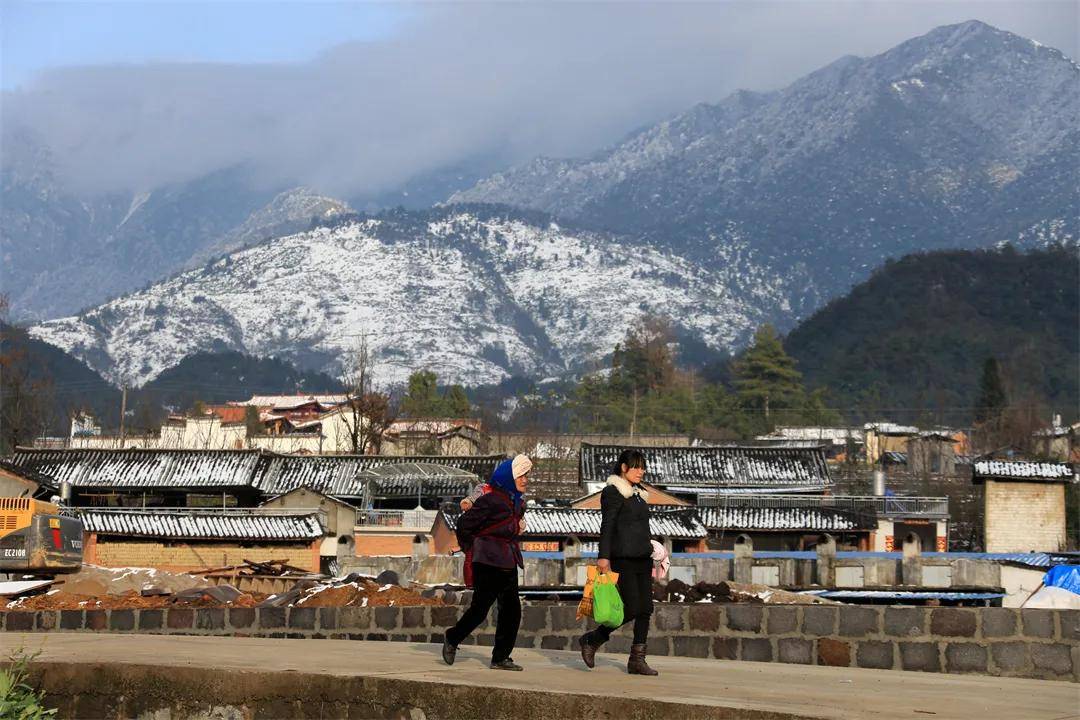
column 284, row 402
column 777, row 468
column 208, row 525
column 134, row 469
column 1022, row 469
column 339, row 475
column 790, row 518
column 890, row 428
column 574, row 521
column 28, row 474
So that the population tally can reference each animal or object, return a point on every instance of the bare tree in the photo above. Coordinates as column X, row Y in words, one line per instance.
column 368, row 412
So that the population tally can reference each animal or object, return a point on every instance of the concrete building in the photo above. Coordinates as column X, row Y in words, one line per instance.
column 340, row 518
column 1024, row 504
column 17, row 481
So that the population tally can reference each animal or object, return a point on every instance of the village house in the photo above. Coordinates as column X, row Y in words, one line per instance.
column 138, row 477
column 187, row 539
column 839, row 442
column 339, row 519
column 1058, row 442
column 932, row 452
column 16, row 481
column 1024, row 504
column 435, row 436
column 694, row 473
column 554, row 529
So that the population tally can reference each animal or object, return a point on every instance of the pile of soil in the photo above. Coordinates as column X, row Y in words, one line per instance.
column 129, row 600
column 362, row 593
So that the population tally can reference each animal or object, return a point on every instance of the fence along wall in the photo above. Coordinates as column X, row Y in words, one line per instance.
column 988, row 641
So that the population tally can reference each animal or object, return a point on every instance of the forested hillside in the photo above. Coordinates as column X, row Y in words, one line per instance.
column 910, row 343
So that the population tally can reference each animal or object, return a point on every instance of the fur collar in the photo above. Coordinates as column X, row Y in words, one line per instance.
column 626, row 489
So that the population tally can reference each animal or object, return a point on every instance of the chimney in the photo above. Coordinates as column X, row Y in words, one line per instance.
column 879, row 483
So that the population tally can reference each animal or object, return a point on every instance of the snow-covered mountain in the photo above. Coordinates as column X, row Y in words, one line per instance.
column 63, row 251
column 474, row 293
column 963, row 137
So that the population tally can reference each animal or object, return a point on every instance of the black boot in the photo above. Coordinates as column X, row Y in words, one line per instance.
column 636, row 665
column 588, row 650
column 449, row 652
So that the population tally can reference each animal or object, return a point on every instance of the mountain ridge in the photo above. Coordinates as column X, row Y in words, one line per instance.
column 477, row 293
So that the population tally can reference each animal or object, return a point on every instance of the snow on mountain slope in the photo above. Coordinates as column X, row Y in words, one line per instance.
column 961, row 138
column 473, row 293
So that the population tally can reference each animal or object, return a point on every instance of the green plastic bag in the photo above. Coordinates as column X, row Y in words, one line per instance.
column 607, row 605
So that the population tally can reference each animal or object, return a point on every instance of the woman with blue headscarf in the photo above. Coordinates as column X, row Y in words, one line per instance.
column 488, row 532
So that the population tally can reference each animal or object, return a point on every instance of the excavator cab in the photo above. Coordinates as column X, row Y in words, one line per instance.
column 36, row 539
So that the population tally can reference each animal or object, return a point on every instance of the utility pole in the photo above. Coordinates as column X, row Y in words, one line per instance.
column 123, row 412
column 633, row 418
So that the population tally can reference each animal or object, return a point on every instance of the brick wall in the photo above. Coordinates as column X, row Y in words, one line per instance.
column 377, row 544
column 988, row 641
column 128, row 553
column 1024, row 516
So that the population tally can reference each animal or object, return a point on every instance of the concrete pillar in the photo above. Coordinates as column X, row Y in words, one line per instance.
column 911, row 565
column 826, row 561
column 572, row 548
column 744, row 559
column 420, row 548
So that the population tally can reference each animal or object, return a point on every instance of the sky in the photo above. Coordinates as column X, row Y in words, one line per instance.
column 355, row 98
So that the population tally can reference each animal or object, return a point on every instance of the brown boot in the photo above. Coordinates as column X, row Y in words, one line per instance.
column 588, row 650
column 636, row 665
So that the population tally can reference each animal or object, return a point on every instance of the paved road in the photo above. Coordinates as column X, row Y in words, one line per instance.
column 797, row 690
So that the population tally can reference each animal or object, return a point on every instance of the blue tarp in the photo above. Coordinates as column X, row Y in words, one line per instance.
column 1064, row 576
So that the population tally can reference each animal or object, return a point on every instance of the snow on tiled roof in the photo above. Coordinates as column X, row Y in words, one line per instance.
column 834, row 435
column 284, row 402
column 339, row 475
column 1022, row 469
column 683, row 523
column 726, row 466
column 208, row 525
column 790, row 518
column 890, row 428
column 139, row 468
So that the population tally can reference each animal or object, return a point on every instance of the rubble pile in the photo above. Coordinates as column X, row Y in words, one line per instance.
column 99, row 588
column 362, row 592
column 732, row 592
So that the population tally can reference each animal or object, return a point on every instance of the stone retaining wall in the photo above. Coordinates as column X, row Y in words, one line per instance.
column 988, row 641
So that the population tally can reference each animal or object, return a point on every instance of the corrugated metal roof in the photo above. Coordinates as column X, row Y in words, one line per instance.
column 137, row 468
column 903, row 595
column 340, row 475
column 204, row 525
column 715, row 466
column 791, row 518
column 578, row 521
column 1031, row 559
column 1023, row 469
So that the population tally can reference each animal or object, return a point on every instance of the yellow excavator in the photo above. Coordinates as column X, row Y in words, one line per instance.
column 37, row 539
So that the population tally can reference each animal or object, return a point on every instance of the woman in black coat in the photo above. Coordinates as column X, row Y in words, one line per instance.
column 490, row 529
column 626, row 548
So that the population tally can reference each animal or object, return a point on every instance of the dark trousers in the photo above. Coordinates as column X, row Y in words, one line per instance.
column 491, row 585
column 635, row 589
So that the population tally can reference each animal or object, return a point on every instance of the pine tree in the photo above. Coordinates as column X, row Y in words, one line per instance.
column 455, row 403
column 992, row 399
column 765, row 376
column 422, row 397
